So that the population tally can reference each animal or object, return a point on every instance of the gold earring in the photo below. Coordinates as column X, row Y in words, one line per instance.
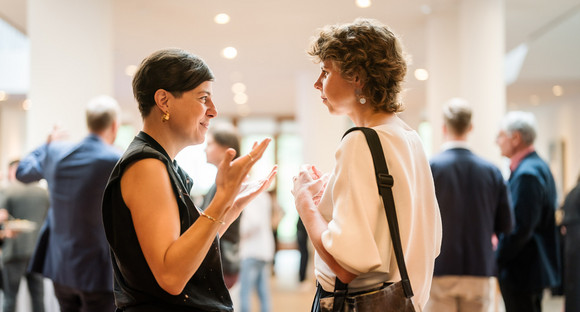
column 165, row 117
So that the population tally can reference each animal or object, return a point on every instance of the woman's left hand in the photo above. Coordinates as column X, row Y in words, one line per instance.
column 309, row 185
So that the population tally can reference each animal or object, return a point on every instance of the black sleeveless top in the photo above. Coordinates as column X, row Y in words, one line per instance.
column 135, row 287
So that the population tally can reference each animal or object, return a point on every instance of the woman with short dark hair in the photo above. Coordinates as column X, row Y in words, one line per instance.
column 165, row 250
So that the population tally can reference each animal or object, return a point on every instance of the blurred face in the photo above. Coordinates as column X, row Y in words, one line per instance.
column 507, row 144
column 336, row 93
column 214, row 152
column 191, row 114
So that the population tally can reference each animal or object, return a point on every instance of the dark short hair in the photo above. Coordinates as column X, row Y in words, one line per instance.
column 370, row 50
column 173, row 70
column 226, row 137
column 457, row 115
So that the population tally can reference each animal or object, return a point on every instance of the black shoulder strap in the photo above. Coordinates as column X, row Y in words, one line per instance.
column 385, row 183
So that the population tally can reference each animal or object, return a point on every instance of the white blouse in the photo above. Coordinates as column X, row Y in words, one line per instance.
column 358, row 234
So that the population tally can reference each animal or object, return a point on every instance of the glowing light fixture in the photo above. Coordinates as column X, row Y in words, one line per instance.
column 241, row 98
column 26, row 104
column 558, row 90
column 222, row 18
column 363, row 3
column 238, row 87
column 130, row 70
column 230, row 53
column 421, row 74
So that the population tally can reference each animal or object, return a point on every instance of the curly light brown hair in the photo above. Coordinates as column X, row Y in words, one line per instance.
column 367, row 49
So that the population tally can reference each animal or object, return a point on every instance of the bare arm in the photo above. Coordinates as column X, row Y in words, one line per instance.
column 147, row 191
column 308, row 187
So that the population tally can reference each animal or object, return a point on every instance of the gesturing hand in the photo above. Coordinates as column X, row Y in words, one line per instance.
column 250, row 190
column 231, row 173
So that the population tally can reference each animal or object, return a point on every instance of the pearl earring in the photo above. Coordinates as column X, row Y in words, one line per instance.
column 362, row 100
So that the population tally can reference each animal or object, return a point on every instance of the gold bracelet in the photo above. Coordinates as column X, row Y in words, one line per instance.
column 211, row 218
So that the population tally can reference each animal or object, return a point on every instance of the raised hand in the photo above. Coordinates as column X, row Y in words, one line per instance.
column 250, row 190
column 231, row 173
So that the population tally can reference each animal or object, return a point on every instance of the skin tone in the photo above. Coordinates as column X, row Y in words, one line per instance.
column 214, row 152
column 451, row 135
column 147, row 191
column 340, row 96
column 510, row 145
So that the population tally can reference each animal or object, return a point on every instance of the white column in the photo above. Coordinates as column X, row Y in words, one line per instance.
column 466, row 54
column 320, row 131
column 71, row 48
column 483, row 49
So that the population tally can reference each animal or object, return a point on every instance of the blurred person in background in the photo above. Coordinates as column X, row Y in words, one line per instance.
column 72, row 250
column 219, row 140
column 528, row 256
column 256, row 252
column 474, row 204
column 28, row 204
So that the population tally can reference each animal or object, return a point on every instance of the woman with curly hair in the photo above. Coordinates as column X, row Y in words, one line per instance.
column 362, row 71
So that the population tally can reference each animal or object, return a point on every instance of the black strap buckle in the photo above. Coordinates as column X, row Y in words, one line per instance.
column 385, row 180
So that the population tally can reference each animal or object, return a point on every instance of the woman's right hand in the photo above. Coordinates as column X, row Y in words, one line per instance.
column 231, row 173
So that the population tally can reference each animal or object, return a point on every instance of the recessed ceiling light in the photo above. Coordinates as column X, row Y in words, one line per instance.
column 558, row 90
column 229, row 53
column 222, row 18
column 238, row 87
column 241, row 98
column 26, row 104
column 421, row 74
column 363, row 3
column 130, row 70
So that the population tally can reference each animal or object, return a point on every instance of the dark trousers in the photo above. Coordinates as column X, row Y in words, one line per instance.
column 571, row 261
column 516, row 300
column 74, row 300
column 302, row 237
column 13, row 272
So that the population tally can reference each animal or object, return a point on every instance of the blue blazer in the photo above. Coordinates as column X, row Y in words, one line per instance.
column 528, row 257
column 73, row 250
column 474, row 204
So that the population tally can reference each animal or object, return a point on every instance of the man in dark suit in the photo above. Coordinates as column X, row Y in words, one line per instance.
column 73, row 250
column 28, row 202
column 474, row 204
column 528, row 257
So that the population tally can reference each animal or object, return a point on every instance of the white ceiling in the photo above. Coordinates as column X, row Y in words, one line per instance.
column 271, row 37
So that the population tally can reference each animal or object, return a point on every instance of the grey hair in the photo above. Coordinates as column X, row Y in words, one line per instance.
column 522, row 122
